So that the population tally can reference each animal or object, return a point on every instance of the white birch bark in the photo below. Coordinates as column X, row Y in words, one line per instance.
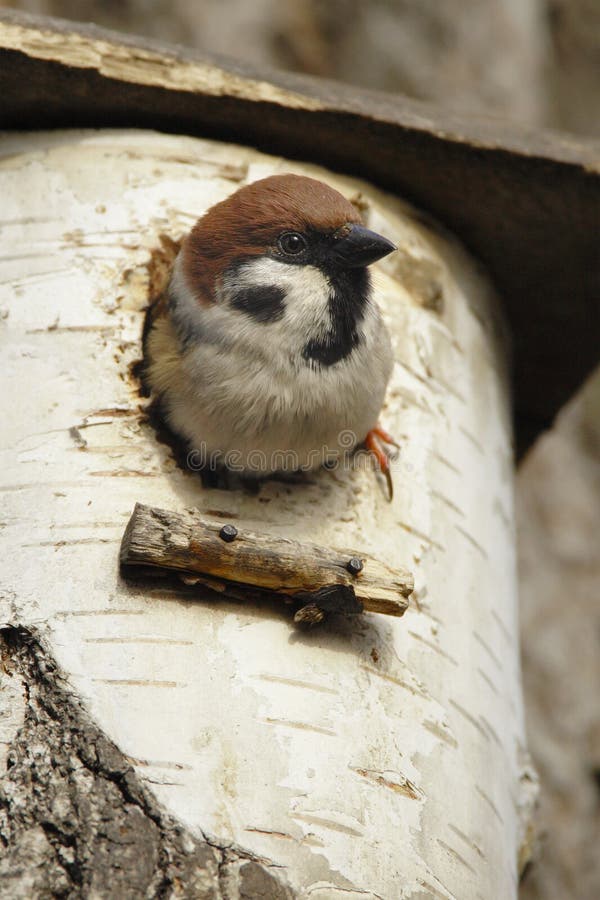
column 377, row 757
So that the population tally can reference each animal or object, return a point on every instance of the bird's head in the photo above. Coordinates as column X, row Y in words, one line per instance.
column 286, row 249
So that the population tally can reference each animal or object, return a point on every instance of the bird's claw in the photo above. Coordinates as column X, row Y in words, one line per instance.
column 385, row 436
column 374, row 442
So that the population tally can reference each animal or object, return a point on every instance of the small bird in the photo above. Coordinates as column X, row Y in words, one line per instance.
column 267, row 352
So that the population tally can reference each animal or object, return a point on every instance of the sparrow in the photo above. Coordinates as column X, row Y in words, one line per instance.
column 268, row 353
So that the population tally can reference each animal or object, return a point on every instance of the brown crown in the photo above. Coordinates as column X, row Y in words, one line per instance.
column 248, row 223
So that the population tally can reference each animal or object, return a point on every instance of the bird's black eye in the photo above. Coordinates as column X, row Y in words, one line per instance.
column 291, row 243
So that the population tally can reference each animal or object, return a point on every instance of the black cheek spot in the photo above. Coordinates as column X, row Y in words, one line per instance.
column 263, row 304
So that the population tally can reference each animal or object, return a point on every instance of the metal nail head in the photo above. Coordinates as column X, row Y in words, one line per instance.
column 354, row 565
column 228, row 533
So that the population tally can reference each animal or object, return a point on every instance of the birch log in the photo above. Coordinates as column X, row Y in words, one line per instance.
column 376, row 757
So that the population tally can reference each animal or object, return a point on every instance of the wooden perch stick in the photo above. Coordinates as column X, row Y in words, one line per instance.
column 330, row 580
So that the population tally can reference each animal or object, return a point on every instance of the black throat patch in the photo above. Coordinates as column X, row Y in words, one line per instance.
column 350, row 294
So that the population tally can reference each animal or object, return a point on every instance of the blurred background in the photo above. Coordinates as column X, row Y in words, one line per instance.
column 536, row 62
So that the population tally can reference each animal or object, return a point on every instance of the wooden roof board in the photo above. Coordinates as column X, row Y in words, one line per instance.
column 526, row 203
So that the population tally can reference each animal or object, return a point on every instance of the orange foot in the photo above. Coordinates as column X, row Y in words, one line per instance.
column 374, row 442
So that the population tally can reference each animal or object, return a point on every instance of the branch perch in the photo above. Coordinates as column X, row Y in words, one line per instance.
column 218, row 555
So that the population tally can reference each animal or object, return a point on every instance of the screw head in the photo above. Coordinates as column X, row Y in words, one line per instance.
column 228, row 533
column 354, row 565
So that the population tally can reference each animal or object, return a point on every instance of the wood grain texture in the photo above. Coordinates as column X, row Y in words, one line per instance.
column 187, row 543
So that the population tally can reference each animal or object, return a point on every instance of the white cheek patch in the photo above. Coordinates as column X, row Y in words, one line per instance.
column 306, row 289
column 303, row 316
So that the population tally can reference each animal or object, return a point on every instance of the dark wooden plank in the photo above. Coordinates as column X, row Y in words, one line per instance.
column 526, row 203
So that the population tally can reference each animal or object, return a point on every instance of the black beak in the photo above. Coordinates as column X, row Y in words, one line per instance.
column 357, row 246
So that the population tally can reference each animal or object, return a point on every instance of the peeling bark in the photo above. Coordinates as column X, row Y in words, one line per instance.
column 76, row 821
